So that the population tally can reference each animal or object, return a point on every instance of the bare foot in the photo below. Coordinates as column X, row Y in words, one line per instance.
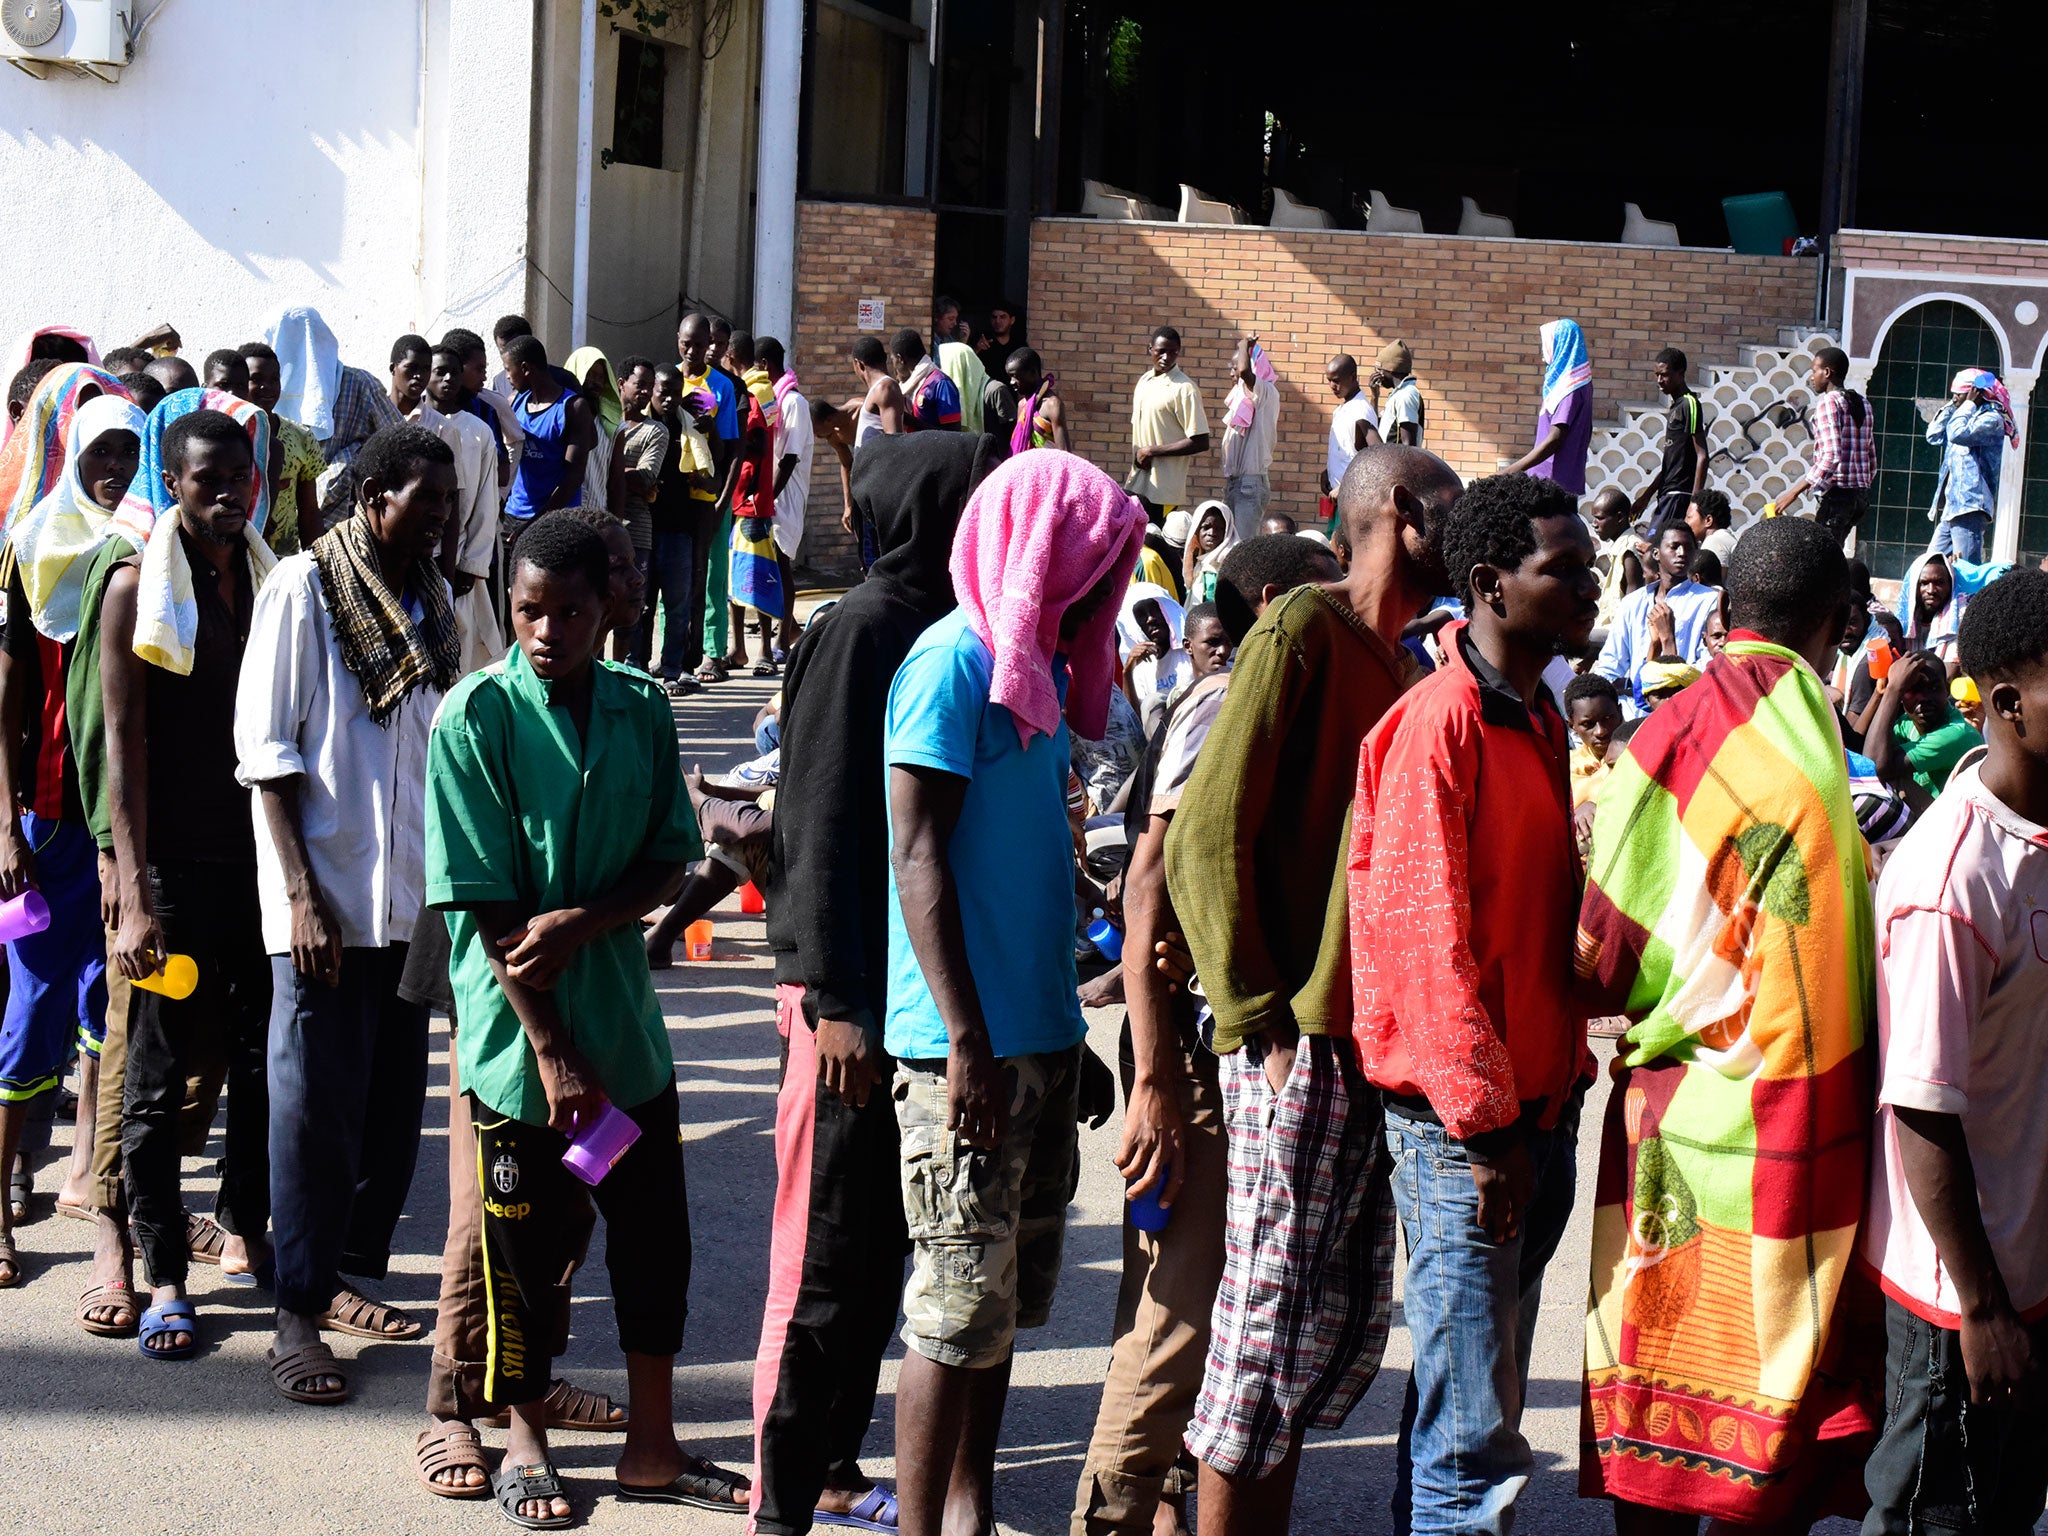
column 239, row 1257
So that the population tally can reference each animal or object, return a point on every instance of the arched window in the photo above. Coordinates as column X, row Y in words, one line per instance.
column 1923, row 351
column 2034, row 498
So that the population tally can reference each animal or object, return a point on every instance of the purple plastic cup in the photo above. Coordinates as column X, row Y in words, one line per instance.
column 596, row 1148
column 26, row 914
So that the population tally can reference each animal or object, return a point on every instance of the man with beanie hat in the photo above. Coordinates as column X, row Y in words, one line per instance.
column 1402, row 414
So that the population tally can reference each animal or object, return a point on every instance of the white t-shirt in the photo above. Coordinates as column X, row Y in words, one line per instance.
column 1155, row 680
column 797, row 437
column 1250, row 452
column 1962, row 1029
column 1344, row 434
column 1404, row 405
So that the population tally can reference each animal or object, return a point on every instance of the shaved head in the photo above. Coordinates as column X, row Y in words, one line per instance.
column 1402, row 491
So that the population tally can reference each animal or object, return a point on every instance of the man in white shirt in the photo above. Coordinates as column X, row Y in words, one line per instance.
column 1355, row 425
column 795, row 437
column 1168, row 429
column 1248, row 443
column 1663, row 621
column 351, row 646
column 470, row 539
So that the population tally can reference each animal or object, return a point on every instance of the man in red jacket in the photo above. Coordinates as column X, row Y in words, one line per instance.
column 1464, row 900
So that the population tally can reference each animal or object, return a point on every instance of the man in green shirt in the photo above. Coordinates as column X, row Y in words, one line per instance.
column 545, row 869
column 1917, row 736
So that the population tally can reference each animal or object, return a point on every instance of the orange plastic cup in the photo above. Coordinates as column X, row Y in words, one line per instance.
column 1880, row 656
column 698, row 937
column 750, row 899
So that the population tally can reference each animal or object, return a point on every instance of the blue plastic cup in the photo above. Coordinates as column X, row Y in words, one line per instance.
column 1108, row 940
column 1147, row 1214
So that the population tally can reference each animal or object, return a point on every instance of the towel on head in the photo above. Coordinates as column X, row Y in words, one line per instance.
column 604, row 395
column 308, row 368
column 18, row 358
column 166, row 603
column 1042, row 532
column 1566, row 363
column 67, row 525
column 33, row 460
column 1130, row 634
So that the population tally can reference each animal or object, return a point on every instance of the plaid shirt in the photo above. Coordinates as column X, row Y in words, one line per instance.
column 1844, row 450
column 361, row 410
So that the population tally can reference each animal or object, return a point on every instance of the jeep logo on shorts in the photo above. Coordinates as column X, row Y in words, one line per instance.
column 505, row 1173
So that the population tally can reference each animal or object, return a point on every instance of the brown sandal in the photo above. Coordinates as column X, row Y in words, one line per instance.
column 206, row 1238
column 307, row 1363
column 11, row 1257
column 353, row 1313
column 116, row 1295
column 570, row 1407
column 446, row 1447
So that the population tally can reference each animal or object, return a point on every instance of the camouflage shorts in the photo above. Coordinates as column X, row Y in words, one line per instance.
column 986, row 1227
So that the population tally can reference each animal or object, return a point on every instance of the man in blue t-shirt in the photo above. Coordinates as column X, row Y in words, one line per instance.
column 982, row 1016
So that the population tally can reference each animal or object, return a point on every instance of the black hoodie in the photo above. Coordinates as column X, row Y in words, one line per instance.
column 828, row 870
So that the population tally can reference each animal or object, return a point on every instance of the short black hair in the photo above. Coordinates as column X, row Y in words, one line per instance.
column 1674, row 521
column 742, row 347
column 1201, row 613
column 1025, row 355
column 201, row 427
column 1835, row 360
column 867, row 351
column 1166, row 331
column 1282, row 560
column 60, row 349
column 906, row 345
column 252, row 351
column 562, row 544
column 1786, row 574
column 124, row 360
column 1671, row 357
column 226, row 359
column 720, row 323
column 146, row 392
column 1705, row 569
column 527, row 349
column 1494, row 523
column 408, row 344
column 468, row 343
column 769, row 347
column 509, row 326
column 1715, row 507
column 23, row 385
column 1282, row 517
column 2004, row 633
column 670, row 371
column 627, row 365
column 592, row 515
column 1590, row 685
column 393, row 456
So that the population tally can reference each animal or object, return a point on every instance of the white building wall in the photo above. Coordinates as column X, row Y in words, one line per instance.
column 256, row 155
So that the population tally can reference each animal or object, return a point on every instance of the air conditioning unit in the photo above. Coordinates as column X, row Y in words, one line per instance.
column 87, row 37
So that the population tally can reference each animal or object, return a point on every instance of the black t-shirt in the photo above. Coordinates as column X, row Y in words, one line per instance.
column 38, row 665
column 672, row 490
column 197, row 810
column 1685, row 421
column 1861, row 686
column 999, row 412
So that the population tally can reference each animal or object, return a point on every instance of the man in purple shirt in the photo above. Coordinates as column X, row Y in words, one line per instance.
column 1564, row 429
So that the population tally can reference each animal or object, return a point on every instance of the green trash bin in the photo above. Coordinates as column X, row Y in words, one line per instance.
column 1760, row 223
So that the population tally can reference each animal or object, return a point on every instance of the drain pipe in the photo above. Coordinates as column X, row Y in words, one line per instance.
column 586, row 114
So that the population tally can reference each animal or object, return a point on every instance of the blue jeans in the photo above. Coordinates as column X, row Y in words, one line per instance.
column 669, row 576
column 1471, row 1307
column 1963, row 536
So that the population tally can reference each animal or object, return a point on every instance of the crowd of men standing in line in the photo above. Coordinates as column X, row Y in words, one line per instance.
column 1381, row 868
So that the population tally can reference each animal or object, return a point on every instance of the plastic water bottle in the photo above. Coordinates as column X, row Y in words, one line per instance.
column 1107, row 938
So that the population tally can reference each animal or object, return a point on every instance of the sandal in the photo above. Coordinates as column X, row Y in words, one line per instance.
column 875, row 1512
column 570, row 1407
column 169, row 1317
column 307, row 1363
column 21, row 1194
column 450, row 1447
column 77, row 1212
column 764, row 668
column 117, row 1295
column 353, row 1313
column 712, row 671
column 700, row 1484
column 11, row 1257
column 513, row 1486
column 206, row 1238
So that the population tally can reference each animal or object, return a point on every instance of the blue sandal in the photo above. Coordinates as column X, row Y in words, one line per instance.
column 171, row 1317
column 875, row 1512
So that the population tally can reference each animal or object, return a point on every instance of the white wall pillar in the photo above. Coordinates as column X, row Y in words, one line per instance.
column 782, row 74
column 586, row 154
column 2012, row 469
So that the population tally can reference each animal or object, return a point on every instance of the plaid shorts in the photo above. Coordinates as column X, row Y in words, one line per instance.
column 1308, row 1282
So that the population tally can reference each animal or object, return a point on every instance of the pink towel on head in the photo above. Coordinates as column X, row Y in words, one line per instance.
column 1038, row 535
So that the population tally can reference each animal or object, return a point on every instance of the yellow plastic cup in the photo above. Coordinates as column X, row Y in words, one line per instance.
column 176, row 980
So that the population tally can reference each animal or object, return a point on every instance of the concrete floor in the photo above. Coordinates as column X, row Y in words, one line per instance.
column 94, row 1438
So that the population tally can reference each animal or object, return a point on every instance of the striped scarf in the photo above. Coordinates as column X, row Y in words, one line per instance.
column 387, row 652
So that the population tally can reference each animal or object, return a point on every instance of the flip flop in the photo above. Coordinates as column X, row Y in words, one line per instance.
column 571, row 1407
column 513, row 1486
column 169, row 1317
column 303, row 1364
column 353, row 1313
column 77, row 1212
column 443, row 1447
column 94, row 1297
column 875, row 1512
column 697, row 1485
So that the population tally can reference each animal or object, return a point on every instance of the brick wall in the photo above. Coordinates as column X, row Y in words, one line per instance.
column 1938, row 253
column 846, row 252
column 1469, row 308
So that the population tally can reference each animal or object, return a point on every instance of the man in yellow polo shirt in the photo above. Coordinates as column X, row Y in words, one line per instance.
column 1168, row 429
